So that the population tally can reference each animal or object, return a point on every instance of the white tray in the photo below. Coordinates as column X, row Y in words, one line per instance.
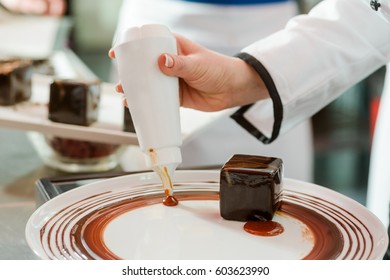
column 33, row 116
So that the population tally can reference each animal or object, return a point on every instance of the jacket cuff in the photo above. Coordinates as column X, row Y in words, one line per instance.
column 239, row 117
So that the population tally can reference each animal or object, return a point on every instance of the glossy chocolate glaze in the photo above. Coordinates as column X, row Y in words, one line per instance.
column 250, row 187
column 330, row 226
column 74, row 102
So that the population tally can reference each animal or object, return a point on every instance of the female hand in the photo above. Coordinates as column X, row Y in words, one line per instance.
column 43, row 7
column 210, row 81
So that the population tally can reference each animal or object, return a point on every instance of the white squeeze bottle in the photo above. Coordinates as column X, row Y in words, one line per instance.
column 152, row 97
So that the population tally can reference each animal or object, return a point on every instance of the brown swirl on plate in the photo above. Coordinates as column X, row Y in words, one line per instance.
column 77, row 231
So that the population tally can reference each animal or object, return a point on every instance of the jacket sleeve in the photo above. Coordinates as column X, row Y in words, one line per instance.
column 313, row 60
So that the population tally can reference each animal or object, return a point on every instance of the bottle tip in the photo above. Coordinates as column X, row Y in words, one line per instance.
column 169, row 156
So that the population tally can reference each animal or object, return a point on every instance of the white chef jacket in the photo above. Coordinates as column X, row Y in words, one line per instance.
column 310, row 63
column 227, row 29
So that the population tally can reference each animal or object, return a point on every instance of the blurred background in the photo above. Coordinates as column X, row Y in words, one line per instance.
column 92, row 47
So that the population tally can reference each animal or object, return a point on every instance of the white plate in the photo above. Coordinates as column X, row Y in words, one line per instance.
column 123, row 218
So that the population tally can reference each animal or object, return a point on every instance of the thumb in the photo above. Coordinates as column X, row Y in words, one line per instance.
column 173, row 65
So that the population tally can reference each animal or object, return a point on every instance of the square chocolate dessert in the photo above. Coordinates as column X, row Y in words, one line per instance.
column 15, row 81
column 250, row 187
column 74, row 101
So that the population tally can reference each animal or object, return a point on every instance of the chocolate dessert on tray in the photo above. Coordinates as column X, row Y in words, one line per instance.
column 33, row 116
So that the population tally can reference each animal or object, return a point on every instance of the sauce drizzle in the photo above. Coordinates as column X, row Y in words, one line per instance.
column 263, row 228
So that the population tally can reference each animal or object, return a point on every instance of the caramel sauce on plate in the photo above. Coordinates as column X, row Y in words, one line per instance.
column 264, row 228
column 170, row 200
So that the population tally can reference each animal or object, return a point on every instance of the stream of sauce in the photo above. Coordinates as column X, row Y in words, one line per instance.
column 170, row 199
column 166, row 181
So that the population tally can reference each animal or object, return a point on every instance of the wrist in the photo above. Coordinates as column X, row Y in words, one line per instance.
column 268, row 86
column 249, row 85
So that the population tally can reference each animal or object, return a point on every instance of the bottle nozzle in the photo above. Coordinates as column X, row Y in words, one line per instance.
column 163, row 157
column 164, row 162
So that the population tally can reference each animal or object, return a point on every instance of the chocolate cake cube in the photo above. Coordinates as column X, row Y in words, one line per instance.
column 15, row 81
column 250, row 187
column 74, row 102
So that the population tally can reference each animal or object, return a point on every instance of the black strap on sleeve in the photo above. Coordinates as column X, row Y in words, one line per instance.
column 238, row 116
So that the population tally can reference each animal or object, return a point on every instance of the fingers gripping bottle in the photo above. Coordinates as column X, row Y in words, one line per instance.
column 152, row 98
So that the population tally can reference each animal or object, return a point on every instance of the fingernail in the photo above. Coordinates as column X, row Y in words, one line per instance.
column 111, row 53
column 118, row 87
column 168, row 61
column 124, row 101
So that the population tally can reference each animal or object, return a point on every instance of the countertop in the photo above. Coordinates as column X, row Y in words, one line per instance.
column 21, row 167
